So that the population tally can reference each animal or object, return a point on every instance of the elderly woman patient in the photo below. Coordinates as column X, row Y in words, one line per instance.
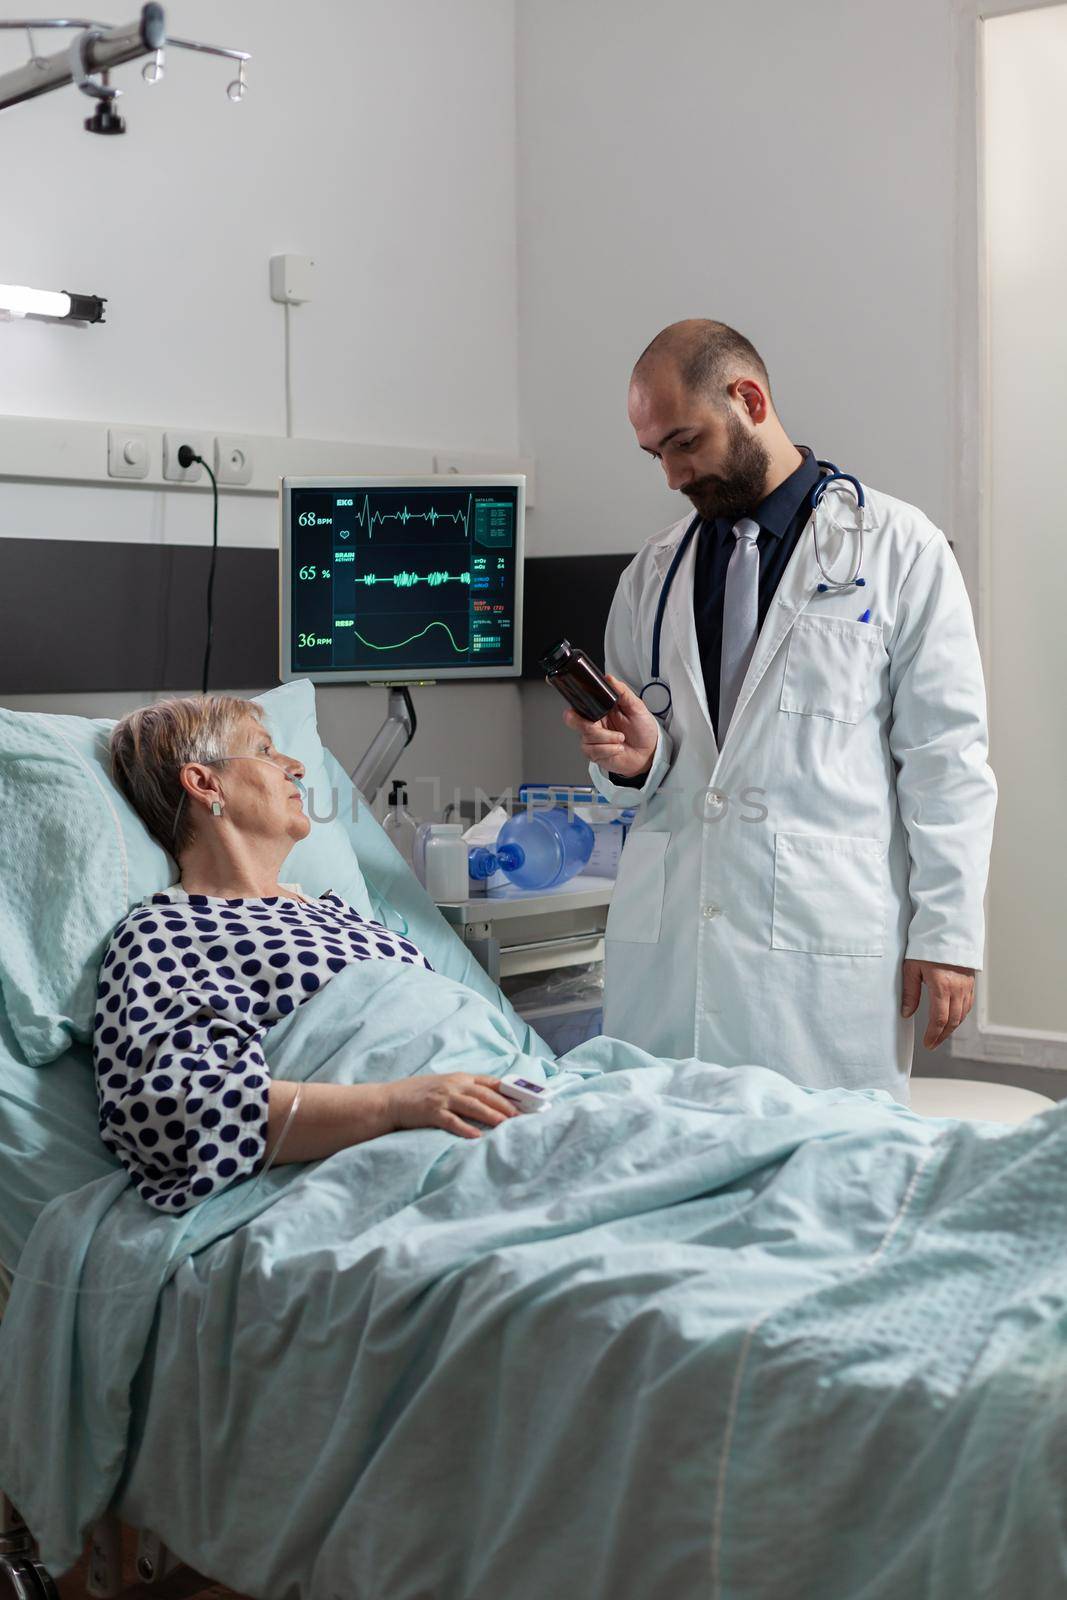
column 193, row 977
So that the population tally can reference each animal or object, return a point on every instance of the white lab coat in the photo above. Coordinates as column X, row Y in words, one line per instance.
column 769, row 892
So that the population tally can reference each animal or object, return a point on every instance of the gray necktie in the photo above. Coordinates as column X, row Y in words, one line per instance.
column 740, row 618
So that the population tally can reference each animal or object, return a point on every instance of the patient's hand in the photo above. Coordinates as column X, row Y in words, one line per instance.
column 443, row 1101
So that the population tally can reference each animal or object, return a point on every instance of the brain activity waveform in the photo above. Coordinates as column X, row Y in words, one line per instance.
column 407, row 580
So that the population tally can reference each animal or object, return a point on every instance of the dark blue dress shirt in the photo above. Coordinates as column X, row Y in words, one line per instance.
column 782, row 517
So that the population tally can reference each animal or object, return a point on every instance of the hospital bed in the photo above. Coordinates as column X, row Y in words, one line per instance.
column 380, row 886
column 606, row 1350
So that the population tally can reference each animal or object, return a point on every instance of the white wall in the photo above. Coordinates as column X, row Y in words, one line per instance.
column 785, row 168
column 377, row 138
column 1026, row 238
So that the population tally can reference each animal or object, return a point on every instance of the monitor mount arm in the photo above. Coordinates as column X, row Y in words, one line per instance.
column 384, row 750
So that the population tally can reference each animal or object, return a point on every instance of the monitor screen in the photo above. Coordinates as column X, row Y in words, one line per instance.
column 401, row 579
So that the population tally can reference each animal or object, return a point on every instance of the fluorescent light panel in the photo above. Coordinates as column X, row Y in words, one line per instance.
column 18, row 301
column 33, row 302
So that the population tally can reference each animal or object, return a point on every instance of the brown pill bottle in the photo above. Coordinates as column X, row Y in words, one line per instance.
column 579, row 680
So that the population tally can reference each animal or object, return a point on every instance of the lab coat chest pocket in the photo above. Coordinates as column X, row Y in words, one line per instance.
column 636, row 910
column 831, row 667
column 830, row 894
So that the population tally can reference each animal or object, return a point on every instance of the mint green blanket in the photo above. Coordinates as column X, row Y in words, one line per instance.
column 692, row 1332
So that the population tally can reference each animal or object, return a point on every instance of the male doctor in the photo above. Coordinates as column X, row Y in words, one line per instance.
column 815, row 808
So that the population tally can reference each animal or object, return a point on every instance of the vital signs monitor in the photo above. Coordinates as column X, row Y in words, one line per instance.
column 400, row 579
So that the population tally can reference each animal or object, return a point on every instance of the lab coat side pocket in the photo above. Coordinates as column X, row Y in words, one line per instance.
column 636, row 910
column 830, row 895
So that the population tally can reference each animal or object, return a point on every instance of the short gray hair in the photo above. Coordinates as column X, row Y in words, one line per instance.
column 150, row 746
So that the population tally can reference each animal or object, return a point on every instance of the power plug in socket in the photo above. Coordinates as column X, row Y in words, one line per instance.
column 172, row 443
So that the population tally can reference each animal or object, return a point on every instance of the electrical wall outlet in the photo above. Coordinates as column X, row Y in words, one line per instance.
column 127, row 454
column 172, row 443
column 233, row 460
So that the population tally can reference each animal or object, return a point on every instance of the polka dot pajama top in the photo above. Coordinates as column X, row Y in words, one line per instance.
column 188, row 986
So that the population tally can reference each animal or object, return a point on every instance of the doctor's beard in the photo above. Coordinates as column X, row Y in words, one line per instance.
column 738, row 490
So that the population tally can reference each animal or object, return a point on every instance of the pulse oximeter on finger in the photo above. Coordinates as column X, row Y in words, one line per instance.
column 525, row 1093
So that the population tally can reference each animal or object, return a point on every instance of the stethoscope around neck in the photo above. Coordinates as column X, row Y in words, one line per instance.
column 656, row 693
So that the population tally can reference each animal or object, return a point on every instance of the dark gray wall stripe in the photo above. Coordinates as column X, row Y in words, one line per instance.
column 567, row 597
column 82, row 615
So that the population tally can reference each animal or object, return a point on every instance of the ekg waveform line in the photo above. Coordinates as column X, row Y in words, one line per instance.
column 399, row 645
column 368, row 517
column 408, row 580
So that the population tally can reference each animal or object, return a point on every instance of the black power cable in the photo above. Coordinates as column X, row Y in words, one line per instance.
column 186, row 456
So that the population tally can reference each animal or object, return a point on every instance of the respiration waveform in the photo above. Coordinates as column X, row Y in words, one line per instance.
column 400, row 643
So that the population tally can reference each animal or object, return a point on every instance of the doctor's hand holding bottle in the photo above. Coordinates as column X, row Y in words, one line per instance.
column 623, row 742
